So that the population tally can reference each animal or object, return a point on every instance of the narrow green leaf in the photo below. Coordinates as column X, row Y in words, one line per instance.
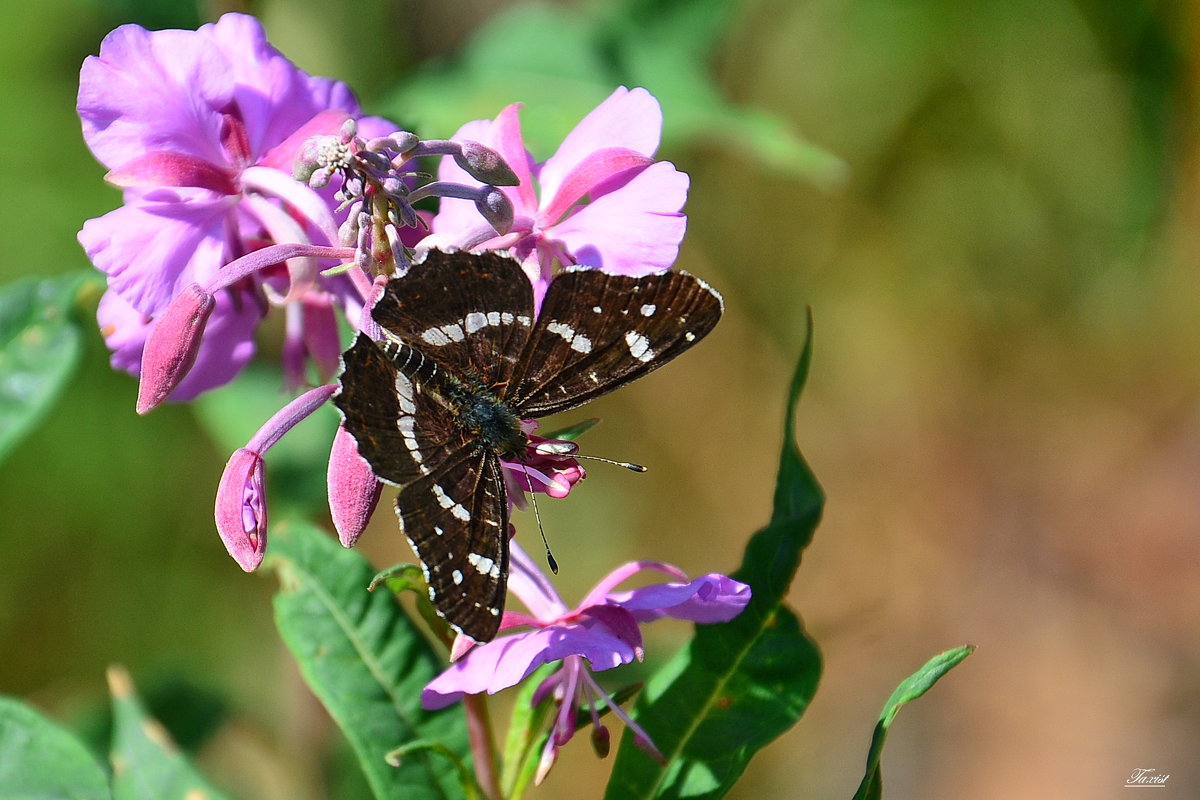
column 738, row 685
column 40, row 344
column 146, row 763
column 39, row 759
column 362, row 657
column 910, row 689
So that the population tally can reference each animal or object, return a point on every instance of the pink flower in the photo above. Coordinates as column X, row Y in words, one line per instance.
column 548, row 466
column 602, row 631
column 200, row 129
column 604, row 202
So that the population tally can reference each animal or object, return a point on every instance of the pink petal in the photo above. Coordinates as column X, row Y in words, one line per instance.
column 529, row 584
column 710, row 598
column 632, row 230
column 507, row 660
column 153, row 91
column 164, row 168
column 154, row 247
column 274, row 97
column 587, row 176
column 629, row 118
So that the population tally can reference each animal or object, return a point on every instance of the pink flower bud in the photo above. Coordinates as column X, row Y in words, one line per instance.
column 172, row 345
column 241, row 510
column 495, row 207
column 353, row 488
column 484, row 164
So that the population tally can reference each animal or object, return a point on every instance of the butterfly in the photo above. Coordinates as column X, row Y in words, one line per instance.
column 437, row 403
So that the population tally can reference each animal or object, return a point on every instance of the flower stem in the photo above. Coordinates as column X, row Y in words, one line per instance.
column 483, row 745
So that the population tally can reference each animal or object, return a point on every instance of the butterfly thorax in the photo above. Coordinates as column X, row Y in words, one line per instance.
column 481, row 414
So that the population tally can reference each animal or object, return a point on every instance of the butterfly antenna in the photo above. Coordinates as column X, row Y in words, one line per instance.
column 538, row 516
column 629, row 465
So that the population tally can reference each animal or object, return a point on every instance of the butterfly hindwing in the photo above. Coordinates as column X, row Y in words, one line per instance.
column 400, row 428
column 457, row 522
column 596, row 332
column 484, row 306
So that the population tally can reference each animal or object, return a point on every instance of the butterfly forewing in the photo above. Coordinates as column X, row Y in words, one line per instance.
column 457, row 522
column 484, row 310
column 596, row 332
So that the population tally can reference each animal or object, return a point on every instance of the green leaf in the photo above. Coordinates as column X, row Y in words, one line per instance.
column 146, row 763
column 40, row 343
column 362, row 657
column 738, row 685
column 910, row 689
column 39, row 759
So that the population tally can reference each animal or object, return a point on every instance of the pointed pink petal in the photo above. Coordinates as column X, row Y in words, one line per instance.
column 707, row 599
column 227, row 345
column 531, row 586
column 634, row 230
column 587, row 175
column 164, row 168
column 629, row 118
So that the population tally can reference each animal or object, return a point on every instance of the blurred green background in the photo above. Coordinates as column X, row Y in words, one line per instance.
column 992, row 211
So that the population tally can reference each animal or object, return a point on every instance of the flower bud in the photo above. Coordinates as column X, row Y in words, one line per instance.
column 241, row 510
column 600, row 740
column 172, row 346
column 495, row 207
column 484, row 164
column 353, row 488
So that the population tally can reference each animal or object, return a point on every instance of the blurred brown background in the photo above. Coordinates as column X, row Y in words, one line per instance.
column 1003, row 407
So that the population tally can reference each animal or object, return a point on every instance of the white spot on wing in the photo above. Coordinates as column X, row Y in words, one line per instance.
column 404, row 391
column 446, row 501
column 562, row 329
column 485, row 565
column 457, row 577
column 579, row 343
column 648, row 310
column 477, row 320
column 436, row 337
column 639, row 346
column 455, row 332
